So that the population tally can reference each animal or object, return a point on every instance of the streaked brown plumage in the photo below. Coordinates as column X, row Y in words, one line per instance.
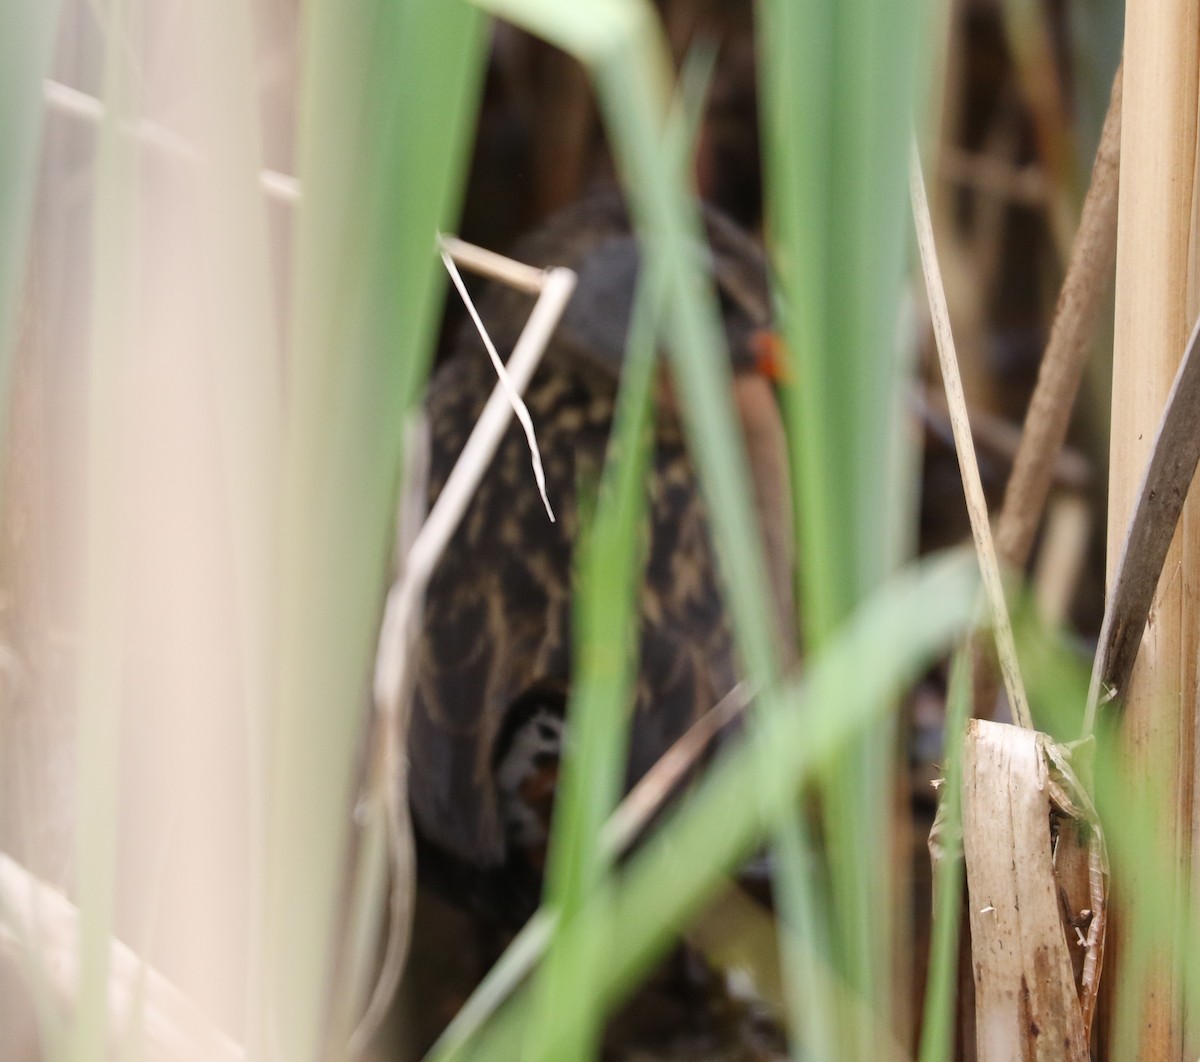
column 494, row 660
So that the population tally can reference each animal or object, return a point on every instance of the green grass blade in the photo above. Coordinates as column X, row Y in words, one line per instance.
column 387, row 104
column 806, row 946
column 606, row 621
column 626, row 79
column 606, row 626
column 27, row 32
column 838, row 83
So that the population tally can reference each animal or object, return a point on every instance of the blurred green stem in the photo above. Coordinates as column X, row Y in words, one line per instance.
column 392, row 86
column 937, row 1028
column 100, row 692
column 27, row 35
column 606, row 619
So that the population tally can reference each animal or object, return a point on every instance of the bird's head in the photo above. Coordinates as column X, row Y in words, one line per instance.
column 594, row 238
column 595, row 327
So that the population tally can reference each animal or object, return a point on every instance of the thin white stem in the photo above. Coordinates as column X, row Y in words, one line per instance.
column 70, row 101
column 463, row 480
column 517, row 275
column 968, row 464
column 514, row 398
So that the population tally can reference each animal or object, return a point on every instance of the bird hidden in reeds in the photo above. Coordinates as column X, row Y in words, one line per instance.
column 494, row 658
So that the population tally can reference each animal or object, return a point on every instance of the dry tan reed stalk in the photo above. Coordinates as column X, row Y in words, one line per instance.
column 1156, row 304
column 1027, row 1004
column 1089, row 273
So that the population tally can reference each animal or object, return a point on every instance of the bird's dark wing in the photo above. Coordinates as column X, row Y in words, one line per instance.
column 687, row 661
column 497, row 614
column 497, row 610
